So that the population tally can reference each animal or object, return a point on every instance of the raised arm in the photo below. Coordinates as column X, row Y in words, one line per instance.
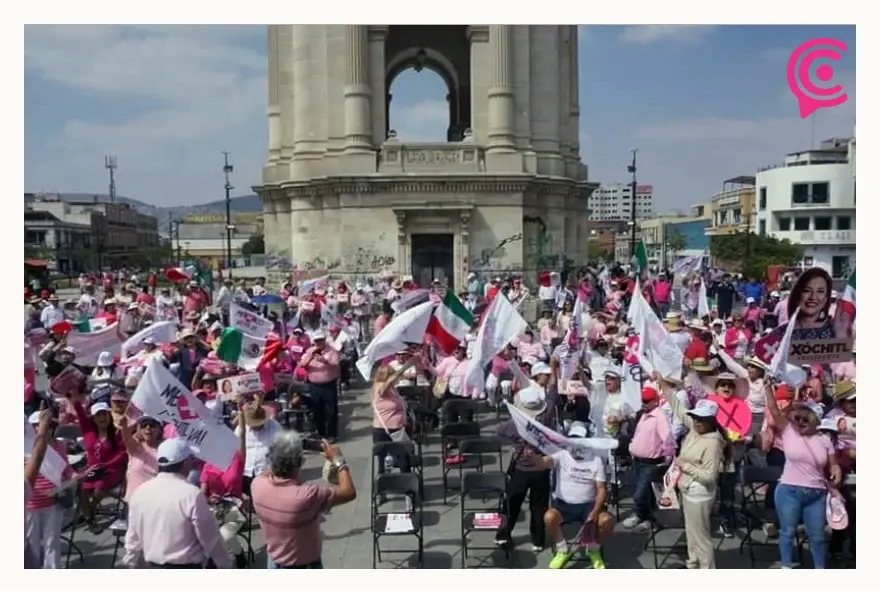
column 735, row 368
column 675, row 404
column 779, row 420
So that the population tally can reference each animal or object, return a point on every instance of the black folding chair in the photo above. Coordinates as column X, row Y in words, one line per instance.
column 491, row 489
column 68, row 528
column 397, row 523
column 754, row 513
column 451, row 435
column 473, row 451
column 119, row 528
column 404, row 456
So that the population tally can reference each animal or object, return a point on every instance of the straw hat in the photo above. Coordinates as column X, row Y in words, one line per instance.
column 740, row 385
column 701, row 365
column 672, row 322
column 755, row 362
column 531, row 401
column 845, row 390
column 697, row 324
column 255, row 415
column 397, row 284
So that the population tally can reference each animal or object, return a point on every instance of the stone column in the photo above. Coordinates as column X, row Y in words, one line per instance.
column 358, row 131
column 308, row 146
column 481, row 63
column 286, row 92
column 575, row 117
column 274, row 104
column 376, row 39
column 501, row 120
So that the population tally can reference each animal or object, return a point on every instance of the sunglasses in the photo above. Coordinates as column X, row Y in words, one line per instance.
column 725, row 384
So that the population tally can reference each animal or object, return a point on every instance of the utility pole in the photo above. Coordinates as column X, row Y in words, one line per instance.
column 110, row 164
column 171, row 236
column 177, row 235
column 632, row 220
column 228, row 168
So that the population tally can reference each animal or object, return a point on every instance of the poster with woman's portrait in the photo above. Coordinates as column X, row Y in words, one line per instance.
column 822, row 333
column 240, row 385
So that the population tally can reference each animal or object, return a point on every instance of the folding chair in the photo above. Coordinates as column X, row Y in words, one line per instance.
column 489, row 488
column 754, row 513
column 476, row 449
column 118, row 528
column 68, row 529
column 620, row 483
column 506, row 376
column 247, row 530
column 400, row 451
column 665, row 520
column 458, row 410
column 453, row 434
column 396, row 523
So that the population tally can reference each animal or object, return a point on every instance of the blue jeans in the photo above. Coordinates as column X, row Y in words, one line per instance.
column 796, row 504
column 643, row 496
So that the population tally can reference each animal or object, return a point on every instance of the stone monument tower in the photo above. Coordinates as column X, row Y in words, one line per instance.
column 507, row 191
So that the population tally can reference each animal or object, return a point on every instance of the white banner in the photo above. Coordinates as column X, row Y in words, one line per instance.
column 53, row 465
column 161, row 332
column 501, row 325
column 161, row 396
column 88, row 345
column 687, row 265
column 248, row 322
column 548, row 441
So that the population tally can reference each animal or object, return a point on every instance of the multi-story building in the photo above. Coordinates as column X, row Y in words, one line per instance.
column 118, row 231
column 810, row 199
column 65, row 247
column 614, row 202
column 660, row 235
column 733, row 208
column 204, row 237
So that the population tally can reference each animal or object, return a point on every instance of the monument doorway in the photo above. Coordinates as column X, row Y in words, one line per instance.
column 433, row 258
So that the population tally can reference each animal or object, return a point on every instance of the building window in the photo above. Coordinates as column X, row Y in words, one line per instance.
column 839, row 267
column 762, row 227
column 762, row 199
column 822, row 223
column 801, row 224
column 844, row 222
column 809, row 193
column 784, row 224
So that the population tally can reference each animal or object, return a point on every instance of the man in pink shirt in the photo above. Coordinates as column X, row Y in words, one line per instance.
column 194, row 300
column 321, row 362
column 650, row 446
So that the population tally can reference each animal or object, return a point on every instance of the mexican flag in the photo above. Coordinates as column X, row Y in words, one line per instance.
column 450, row 323
column 246, row 351
column 847, row 303
column 640, row 257
column 90, row 324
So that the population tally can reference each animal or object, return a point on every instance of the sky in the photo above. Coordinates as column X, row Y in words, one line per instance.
column 701, row 104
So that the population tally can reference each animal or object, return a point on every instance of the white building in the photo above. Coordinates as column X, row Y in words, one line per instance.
column 810, row 199
column 614, row 202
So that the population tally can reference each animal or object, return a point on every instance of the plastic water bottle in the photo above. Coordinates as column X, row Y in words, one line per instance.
column 389, row 463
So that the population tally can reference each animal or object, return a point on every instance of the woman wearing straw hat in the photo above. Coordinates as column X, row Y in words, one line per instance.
column 672, row 323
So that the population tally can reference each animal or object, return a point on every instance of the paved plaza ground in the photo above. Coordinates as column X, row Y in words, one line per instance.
column 347, row 538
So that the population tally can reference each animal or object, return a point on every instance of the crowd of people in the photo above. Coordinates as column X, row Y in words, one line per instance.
column 566, row 372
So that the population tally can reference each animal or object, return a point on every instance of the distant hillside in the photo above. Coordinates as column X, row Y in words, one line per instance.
column 242, row 204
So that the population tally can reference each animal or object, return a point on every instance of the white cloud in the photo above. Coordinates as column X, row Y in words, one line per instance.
column 425, row 120
column 202, row 90
column 682, row 34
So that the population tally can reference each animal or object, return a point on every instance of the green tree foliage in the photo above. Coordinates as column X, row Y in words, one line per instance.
column 751, row 254
column 254, row 245
column 675, row 241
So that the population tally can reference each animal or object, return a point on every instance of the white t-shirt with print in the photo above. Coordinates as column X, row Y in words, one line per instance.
column 576, row 479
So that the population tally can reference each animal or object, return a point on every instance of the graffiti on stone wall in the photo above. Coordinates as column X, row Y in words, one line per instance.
column 319, row 263
column 276, row 261
column 366, row 260
column 539, row 251
column 492, row 259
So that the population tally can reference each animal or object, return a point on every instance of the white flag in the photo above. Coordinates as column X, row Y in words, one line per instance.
column 53, row 465
column 88, row 345
column 549, row 441
column 703, row 301
column 162, row 397
column 408, row 327
column 501, row 325
column 161, row 332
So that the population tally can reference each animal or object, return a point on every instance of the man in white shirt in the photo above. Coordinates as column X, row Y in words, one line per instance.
column 579, row 498
column 224, row 298
column 170, row 524
column 87, row 302
column 51, row 314
column 259, row 434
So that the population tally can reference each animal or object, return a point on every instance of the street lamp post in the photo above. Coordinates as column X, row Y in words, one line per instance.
column 632, row 220
column 227, row 169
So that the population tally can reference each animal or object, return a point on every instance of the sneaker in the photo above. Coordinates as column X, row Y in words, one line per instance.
column 502, row 541
column 725, row 530
column 631, row 521
column 596, row 559
column 642, row 527
column 537, row 549
column 560, row 559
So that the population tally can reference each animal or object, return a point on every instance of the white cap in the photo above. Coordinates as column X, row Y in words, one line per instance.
column 750, row 300
column 540, row 368
column 99, row 407
column 774, row 294
column 577, row 429
column 105, row 359
column 186, row 332
column 613, row 372
column 825, row 425
column 173, row 451
column 717, row 322
column 704, row 409
column 817, row 409
column 318, row 335
column 110, row 302
column 530, row 361
column 133, row 306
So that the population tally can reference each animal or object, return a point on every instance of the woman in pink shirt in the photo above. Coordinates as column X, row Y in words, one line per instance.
column 802, row 490
column 389, row 408
column 223, row 489
column 141, row 441
column 527, row 347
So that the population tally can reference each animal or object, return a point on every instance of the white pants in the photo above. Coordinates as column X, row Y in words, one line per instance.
column 233, row 521
column 44, row 535
column 492, row 389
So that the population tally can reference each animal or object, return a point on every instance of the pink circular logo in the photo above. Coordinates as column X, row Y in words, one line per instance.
column 811, row 96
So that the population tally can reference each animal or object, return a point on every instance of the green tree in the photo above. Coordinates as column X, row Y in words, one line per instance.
column 595, row 252
column 254, row 245
column 675, row 241
column 41, row 252
column 751, row 254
